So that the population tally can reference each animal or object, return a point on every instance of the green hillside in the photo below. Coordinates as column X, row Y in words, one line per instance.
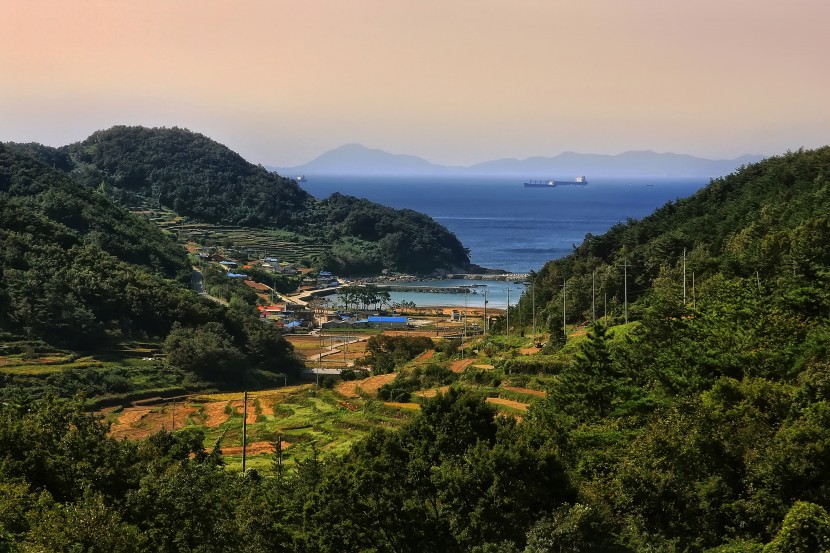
column 79, row 272
column 695, row 426
column 207, row 182
column 768, row 223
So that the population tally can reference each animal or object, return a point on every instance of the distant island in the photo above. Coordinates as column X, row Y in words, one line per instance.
column 355, row 159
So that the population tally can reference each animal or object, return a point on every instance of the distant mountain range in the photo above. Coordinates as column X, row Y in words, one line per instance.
column 355, row 159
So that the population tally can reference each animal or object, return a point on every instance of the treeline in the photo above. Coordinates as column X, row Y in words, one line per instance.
column 457, row 478
column 77, row 271
column 440, row 484
column 203, row 180
column 366, row 236
column 768, row 223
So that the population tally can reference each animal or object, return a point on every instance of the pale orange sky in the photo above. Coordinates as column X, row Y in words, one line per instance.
column 454, row 81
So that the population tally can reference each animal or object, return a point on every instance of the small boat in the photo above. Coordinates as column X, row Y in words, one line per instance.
column 300, row 178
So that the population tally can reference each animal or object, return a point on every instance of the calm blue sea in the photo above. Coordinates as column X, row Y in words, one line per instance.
column 507, row 226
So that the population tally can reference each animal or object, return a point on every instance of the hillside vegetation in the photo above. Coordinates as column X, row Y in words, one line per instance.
column 80, row 272
column 205, row 181
column 694, row 426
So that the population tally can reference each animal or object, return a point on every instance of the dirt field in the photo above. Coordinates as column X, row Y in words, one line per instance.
column 460, row 365
column 530, row 351
column 426, row 356
column 254, row 448
column 368, row 386
column 215, row 412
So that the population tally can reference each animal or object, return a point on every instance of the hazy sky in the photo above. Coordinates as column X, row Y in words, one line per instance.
column 454, row 81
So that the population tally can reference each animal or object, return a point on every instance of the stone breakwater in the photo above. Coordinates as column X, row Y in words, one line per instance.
column 428, row 289
column 520, row 277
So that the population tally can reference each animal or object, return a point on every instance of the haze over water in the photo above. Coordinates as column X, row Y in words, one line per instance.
column 507, row 226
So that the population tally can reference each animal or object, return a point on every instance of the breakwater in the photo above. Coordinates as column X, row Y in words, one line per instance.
column 428, row 289
column 511, row 277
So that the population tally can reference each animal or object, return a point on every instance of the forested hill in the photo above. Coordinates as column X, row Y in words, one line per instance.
column 204, row 180
column 78, row 271
column 768, row 222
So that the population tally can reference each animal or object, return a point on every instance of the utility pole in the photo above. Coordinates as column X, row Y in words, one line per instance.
column 484, row 322
column 684, row 277
column 244, row 428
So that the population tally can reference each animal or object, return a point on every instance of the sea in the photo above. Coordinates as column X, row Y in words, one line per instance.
column 505, row 225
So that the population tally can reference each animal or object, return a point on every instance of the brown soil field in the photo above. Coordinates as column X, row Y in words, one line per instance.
column 460, row 365
column 140, row 422
column 254, row 448
column 530, row 351
column 508, row 403
column 426, row 356
column 128, row 418
column 348, row 388
column 215, row 412
column 238, row 405
column 538, row 393
column 483, row 367
column 370, row 386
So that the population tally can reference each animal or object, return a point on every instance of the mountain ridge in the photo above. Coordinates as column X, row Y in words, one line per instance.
column 356, row 159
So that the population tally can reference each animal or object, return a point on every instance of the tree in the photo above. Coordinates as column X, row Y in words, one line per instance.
column 206, row 350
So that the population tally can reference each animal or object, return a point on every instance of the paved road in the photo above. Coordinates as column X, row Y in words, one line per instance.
column 196, row 282
column 198, row 286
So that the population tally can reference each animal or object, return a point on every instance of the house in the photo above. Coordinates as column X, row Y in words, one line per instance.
column 388, row 322
column 228, row 264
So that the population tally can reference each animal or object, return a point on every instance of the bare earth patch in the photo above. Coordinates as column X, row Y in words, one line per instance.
column 426, row 356
column 530, row 351
column 460, row 365
column 372, row 384
column 347, row 388
column 129, row 418
column 508, row 403
column 238, row 405
column 253, row 448
column 215, row 412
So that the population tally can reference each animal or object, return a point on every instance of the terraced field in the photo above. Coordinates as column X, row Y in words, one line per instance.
column 304, row 418
column 271, row 243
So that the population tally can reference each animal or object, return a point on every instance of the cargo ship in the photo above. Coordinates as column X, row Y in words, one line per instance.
column 578, row 181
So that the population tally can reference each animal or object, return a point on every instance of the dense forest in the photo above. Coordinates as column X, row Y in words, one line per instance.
column 696, row 422
column 205, row 181
column 79, row 272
